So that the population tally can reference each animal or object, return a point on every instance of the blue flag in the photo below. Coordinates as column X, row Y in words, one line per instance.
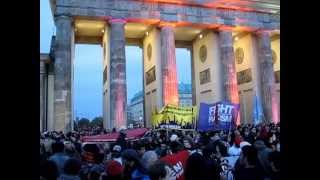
column 257, row 112
column 217, row 116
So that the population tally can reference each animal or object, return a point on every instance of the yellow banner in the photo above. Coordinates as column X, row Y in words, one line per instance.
column 175, row 117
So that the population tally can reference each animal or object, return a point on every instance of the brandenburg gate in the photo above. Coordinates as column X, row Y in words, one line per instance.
column 234, row 46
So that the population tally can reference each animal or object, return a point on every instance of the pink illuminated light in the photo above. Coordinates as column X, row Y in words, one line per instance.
column 119, row 119
column 170, row 82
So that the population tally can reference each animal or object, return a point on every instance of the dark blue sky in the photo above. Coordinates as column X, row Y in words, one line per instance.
column 88, row 68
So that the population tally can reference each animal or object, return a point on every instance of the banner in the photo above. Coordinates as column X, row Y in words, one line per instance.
column 218, row 116
column 174, row 117
column 257, row 113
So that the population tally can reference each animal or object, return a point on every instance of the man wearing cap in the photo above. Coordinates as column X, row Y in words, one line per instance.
column 116, row 154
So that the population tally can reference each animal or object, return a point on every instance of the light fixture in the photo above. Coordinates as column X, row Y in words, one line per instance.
column 147, row 33
column 236, row 38
column 102, row 30
column 200, row 36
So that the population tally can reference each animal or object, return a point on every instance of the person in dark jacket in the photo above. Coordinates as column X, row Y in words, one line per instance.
column 274, row 159
column 48, row 170
column 122, row 140
column 59, row 157
column 263, row 153
column 71, row 170
column 195, row 167
column 133, row 168
column 247, row 166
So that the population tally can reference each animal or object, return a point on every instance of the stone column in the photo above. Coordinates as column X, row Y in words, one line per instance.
column 63, row 74
column 229, row 73
column 169, row 68
column 118, row 86
column 268, row 94
column 42, row 88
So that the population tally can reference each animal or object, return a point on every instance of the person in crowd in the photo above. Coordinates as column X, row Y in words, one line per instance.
column 133, row 168
column 247, row 167
column 161, row 171
column 48, row 170
column 114, row 171
column 211, row 162
column 177, row 158
column 221, row 153
column 188, row 145
column 47, row 143
column 235, row 149
column 107, row 153
column 195, row 168
column 162, row 149
column 149, row 143
column 264, row 133
column 149, row 158
column 263, row 154
column 121, row 140
column 116, row 153
column 140, row 147
column 71, row 170
column 70, row 150
column 247, row 136
column 215, row 137
column 92, row 165
column 59, row 157
column 98, row 167
column 252, row 136
column 274, row 159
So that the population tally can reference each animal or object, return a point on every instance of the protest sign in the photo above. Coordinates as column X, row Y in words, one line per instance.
column 217, row 116
column 174, row 117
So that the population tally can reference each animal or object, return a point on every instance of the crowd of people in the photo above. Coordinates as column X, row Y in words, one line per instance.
column 245, row 153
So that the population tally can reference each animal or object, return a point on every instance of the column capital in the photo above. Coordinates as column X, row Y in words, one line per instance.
column 42, row 67
column 225, row 28
column 117, row 21
column 263, row 32
column 63, row 17
column 163, row 24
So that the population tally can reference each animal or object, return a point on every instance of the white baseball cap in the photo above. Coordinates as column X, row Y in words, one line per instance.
column 244, row 143
column 173, row 137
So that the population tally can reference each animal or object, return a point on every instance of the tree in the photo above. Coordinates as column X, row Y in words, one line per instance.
column 83, row 122
column 97, row 122
column 75, row 125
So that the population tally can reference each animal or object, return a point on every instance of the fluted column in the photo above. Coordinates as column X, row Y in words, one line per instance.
column 229, row 72
column 169, row 67
column 118, row 93
column 63, row 74
column 268, row 94
column 42, row 94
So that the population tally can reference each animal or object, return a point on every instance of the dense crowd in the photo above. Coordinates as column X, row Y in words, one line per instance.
column 245, row 153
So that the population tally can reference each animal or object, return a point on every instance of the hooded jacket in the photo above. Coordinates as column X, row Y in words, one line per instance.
column 263, row 154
